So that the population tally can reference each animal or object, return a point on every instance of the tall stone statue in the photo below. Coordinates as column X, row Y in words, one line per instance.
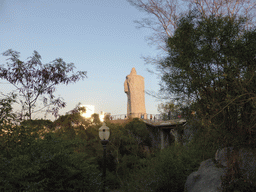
column 134, row 88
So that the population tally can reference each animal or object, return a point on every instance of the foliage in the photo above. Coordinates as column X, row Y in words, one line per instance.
column 73, row 126
column 48, row 164
column 33, row 160
column 72, row 123
column 126, row 148
column 40, row 155
column 212, row 62
column 96, row 118
column 71, row 158
column 46, row 123
column 35, row 81
column 163, row 15
column 202, row 138
column 6, row 113
column 233, row 180
column 169, row 110
column 138, row 132
column 14, row 138
column 107, row 117
column 167, row 171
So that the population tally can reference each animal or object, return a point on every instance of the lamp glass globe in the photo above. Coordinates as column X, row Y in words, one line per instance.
column 104, row 132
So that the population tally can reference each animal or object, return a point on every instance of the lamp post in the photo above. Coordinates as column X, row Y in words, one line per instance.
column 104, row 135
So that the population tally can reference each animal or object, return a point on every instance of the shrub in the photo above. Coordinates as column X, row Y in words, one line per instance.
column 167, row 171
column 49, row 164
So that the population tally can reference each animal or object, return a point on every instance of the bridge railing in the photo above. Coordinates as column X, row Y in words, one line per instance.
column 152, row 117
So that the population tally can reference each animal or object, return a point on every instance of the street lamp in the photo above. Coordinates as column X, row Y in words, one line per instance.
column 104, row 135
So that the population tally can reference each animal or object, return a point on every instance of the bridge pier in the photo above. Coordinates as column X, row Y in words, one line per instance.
column 162, row 138
column 166, row 129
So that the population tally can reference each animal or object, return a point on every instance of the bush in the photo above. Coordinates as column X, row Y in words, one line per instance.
column 49, row 164
column 167, row 171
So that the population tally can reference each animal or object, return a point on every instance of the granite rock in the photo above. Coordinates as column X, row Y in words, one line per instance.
column 207, row 178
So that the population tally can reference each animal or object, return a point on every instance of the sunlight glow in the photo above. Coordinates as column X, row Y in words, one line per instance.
column 89, row 111
column 102, row 114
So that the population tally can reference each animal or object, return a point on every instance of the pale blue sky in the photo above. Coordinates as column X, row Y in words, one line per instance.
column 98, row 36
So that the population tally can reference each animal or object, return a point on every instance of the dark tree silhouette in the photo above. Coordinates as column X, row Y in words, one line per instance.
column 34, row 80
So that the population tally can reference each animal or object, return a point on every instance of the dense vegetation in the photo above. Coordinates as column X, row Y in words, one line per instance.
column 210, row 66
column 213, row 67
column 66, row 155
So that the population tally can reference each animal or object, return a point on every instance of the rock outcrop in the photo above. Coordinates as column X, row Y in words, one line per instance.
column 206, row 179
column 208, row 176
column 134, row 88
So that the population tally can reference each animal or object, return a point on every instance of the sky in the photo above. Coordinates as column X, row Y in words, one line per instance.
column 98, row 36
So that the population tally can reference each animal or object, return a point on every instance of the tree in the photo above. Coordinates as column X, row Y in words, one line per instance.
column 72, row 123
column 126, row 147
column 212, row 62
column 49, row 164
column 96, row 118
column 6, row 113
column 169, row 110
column 34, row 80
column 164, row 14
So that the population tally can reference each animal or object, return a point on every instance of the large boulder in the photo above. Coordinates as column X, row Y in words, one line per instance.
column 207, row 178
